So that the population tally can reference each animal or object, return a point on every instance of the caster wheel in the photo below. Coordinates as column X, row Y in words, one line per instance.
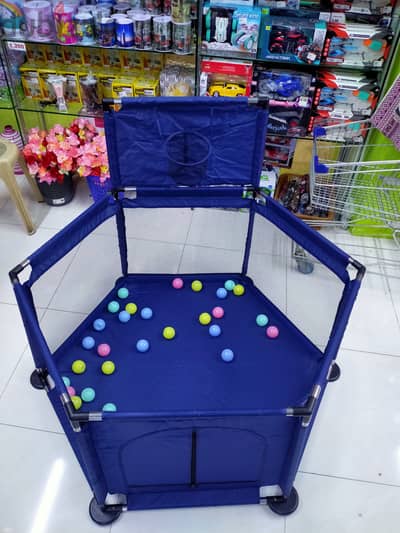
column 100, row 515
column 284, row 506
column 334, row 374
column 304, row 266
column 36, row 381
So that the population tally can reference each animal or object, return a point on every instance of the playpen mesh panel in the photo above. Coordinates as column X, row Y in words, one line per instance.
column 278, row 268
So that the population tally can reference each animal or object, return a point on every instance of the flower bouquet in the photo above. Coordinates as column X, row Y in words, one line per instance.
column 53, row 157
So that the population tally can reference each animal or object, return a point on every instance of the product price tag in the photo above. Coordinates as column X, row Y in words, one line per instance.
column 12, row 45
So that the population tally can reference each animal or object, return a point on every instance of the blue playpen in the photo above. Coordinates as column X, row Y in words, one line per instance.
column 209, row 412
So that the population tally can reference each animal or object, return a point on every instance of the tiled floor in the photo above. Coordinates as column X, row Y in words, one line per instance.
column 349, row 479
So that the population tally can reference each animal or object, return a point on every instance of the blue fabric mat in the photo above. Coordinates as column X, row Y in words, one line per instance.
column 188, row 372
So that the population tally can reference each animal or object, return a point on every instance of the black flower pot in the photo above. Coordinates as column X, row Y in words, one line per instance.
column 57, row 194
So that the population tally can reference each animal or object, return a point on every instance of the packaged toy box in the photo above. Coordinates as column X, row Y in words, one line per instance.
column 225, row 78
column 291, row 39
column 356, row 45
column 279, row 150
column 290, row 96
column 231, row 30
column 347, row 94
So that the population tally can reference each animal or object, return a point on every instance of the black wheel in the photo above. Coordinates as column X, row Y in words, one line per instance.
column 36, row 381
column 304, row 266
column 100, row 514
column 284, row 506
column 334, row 374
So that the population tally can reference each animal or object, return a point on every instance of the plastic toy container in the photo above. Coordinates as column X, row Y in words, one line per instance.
column 220, row 412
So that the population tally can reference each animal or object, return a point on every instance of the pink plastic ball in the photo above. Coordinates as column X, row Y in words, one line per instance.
column 103, row 350
column 272, row 332
column 218, row 312
column 177, row 283
column 71, row 391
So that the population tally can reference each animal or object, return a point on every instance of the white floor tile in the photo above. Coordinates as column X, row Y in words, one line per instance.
column 96, row 266
column 203, row 259
column 356, row 432
column 249, row 518
column 16, row 246
column 13, row 341
column 373, row 325
column 42, row 488
column 167, row 225
column 218, row 228
column 329, row 505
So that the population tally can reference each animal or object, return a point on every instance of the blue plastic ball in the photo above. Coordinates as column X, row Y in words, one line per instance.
column 227, row 355
column 123, row 293
column 142, row 345
column 214, row 330
column 88, row 394
column 113, row 307
column 146, row 313
column 99, row 324
column 222, row 293
column 111, row 407
column 67, row 381
column 229, row 285
column 88, row 343
column 262, row 320
column 124, row 316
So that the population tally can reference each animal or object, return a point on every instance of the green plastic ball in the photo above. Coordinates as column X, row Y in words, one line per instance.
column 76, row 402
column 131, row 308
column 238, row 290
column 78, row 366
column 197, row 285
column 169, row 333
column 108, row 367
column 204, row 319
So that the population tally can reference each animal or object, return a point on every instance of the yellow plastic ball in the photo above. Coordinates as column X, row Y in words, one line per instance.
column 197, row 285
column 131, row 308
column 204, row 319
column 76, row 402
column 238, row 290
column 169, row 333
column 78, row 366
column 108, row 367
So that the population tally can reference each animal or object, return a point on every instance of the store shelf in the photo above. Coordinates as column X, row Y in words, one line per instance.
column 29, row 105
column 94, row 45
column 4, row 105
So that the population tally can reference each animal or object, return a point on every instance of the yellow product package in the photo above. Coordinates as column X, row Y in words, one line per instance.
column 92, row 57
column 54, row 55
column 72, row 55
column 36, row 53
column 47, row 89
column 111, row 59
column 147, row 86
column 72, row 91
column 122, row 88
column 131, row 60
column 31, row 82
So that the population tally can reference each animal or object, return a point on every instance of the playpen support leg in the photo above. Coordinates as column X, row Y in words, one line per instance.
column 248, row 242
column 103, row 514
column 123, row 248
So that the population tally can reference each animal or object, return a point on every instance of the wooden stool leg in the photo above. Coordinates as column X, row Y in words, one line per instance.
column 15, row 193
column 30, row 179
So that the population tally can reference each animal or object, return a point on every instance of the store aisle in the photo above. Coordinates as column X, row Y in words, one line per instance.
column 349, row 479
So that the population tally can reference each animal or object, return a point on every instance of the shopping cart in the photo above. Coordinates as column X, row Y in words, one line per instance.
column 355, row 173
column 220, row 413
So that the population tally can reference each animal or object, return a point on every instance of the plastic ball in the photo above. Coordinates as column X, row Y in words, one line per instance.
column 110, row 407
column 113, row 307
column 221, row 293
column 88, row 394
column 214, row 330
column 238, row 290
column 123, row 293
column 76, row 402
column 218, row 312
column 177, row 283
column 124, row 316
column 67, row 381
column 71, row 391
column 205, row 318
column 146, row 313
column 99, row 324
column 131, row 308
column 168, row 333
column 103, row 350
column 229, row 285
column 272, row 332
column 78, row 366
column 142, row 345
column 227, row 355
column 108, row 368
column 262, row 320
column 88, row 343
column 197, row 285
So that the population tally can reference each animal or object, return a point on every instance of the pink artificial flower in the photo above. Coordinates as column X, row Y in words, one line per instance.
column 57, row 129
